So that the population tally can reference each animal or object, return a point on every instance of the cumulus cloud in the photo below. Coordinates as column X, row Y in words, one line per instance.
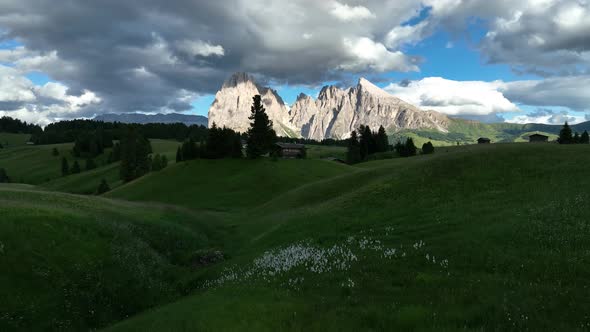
column 547, row 116
column 347, row 13
column 455, row 97
column 153, row 58
column 571, row 92
column 21, row 98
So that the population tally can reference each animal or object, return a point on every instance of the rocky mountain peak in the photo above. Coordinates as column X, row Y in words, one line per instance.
column 237, row 79
column 366, row 86
column 335, row 113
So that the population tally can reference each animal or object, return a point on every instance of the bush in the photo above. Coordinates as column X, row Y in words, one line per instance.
column 427, row 148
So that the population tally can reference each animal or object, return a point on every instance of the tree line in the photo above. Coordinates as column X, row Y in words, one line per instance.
column 364, row 143
column 567, row 137
column 16, row 126
column 71, row 130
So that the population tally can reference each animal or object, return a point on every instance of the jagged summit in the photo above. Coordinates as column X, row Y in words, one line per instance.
column 367, row 86
column 238, row 78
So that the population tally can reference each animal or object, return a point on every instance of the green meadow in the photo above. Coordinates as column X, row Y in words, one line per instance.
column 471, row 238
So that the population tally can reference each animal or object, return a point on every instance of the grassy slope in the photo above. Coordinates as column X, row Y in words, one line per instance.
column 74, row 263
column 511, row 219
column 87, row 181
column 465, row 131
column 36, row 165
column 9, row 140
column 226, row 185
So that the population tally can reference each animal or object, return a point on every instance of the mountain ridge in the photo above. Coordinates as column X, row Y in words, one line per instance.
column 187, row 119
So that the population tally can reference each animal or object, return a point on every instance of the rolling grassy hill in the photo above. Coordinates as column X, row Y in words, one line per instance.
column 226, row 185
column 36, row 165
column 75, row 263
column 471, row 238
column 477, row 238
column 467, row 132
column 8, row 140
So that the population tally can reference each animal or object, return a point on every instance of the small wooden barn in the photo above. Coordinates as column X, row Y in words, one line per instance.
column 538, row 138
column 484, row 140
column 289, row 150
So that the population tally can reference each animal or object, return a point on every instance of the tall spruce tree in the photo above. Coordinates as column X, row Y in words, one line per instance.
column 428, row 148
column 367, row 142
column 65, row 167
column 411, row 149
column 178, row 155
column 103, row 187
column 75, row 168
column 382, row 141
column 565, row 135
column 353, row 153
column 585, row 138
column 261, row 136
column 135, row 150
column 4, row 176
column 576, row 139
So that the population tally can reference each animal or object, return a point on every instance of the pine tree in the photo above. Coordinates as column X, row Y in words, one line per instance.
column 157, row 163
column 428, row 148
column 261, row 136
column 576, row 139
column 75, row 168
column 236, row 148
column 90, row 164
column 178, row 155
column 135, row 150
column 353, row 154
column 410, row 148
column 565, row 135
column 54, row 152
column 585, row 138
column 164, row 161
column 103, row 187
column 382, row 140
column 366, row 137
column 65, row 167
column 4, row 176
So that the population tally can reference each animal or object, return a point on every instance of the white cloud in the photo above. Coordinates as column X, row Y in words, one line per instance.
column 369, row 55
column 21, row 98
column 347, row 13
column 571, row 92
column 548, row 117
column 455, row 97
column 405, row 34
column 200, row 48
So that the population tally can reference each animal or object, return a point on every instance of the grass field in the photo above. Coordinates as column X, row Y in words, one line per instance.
column 472, row 238
column 36, row 165
column 8, row 140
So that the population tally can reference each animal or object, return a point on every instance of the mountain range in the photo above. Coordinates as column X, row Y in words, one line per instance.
column 337, row 112
column 154, row 118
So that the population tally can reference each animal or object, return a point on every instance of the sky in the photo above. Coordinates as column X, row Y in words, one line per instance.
column 518, row 61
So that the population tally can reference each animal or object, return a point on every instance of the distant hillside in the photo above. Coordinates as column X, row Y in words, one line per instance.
column 153, row 118
column 468, row 131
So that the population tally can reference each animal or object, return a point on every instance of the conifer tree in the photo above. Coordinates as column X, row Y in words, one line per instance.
column 164, row 161
column 576, row 139
column 261, row 136
column 382, row 140
column 90, row 164
column 135, row 150
column 427, row 148
column 353, row 153
column 178, row 155
column 75, row 168
column 157, row 163
column 4, row 176
column 410, row 148
column 54, row 152
column 65, row 167
column 103, row 187
column 565, row 135
column 585, row 138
